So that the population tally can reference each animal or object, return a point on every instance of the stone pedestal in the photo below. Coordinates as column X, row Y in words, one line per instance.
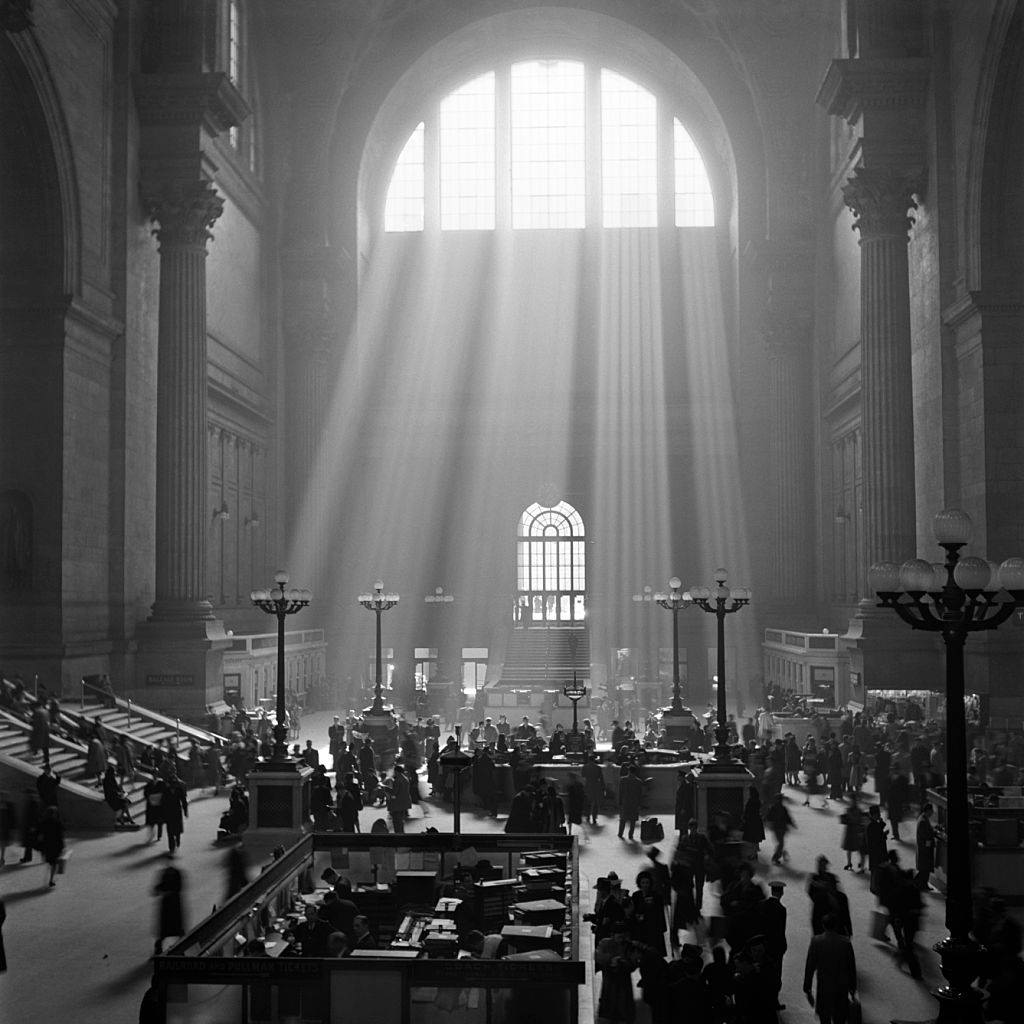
column 681, row 728
column 179, row 665
column 720, row 787
column 378, row 725
column 279, row 798
column 886, row 655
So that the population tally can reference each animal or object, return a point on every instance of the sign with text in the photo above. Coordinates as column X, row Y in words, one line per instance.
column 170, row 679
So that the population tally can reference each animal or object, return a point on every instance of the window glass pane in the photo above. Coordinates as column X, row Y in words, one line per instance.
column 551, row 566
column 695, row 205
column 564, row 565
column 578, row 610
column 403, row 210
column 629, row 153
column 467, row 155
column 548, row 145
column 537, row 565
column 579, row 580
column 564, row 613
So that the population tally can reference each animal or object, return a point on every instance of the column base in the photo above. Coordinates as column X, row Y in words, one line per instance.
column 179, row 665
column 720, row 786
column 279, row 797
column 886, row 654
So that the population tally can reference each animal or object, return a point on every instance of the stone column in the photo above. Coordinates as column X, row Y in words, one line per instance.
column 184, row 212
column 880, row 200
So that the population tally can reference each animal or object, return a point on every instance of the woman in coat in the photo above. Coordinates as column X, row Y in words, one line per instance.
column 154, row 792
column 50, row 833
column 39, row 736
column 96, row 759
column 575, row 798
column 753, row 826
column 853, row 835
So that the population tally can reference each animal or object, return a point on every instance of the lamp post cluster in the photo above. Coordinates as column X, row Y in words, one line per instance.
column 378, row 602
column 720, row 601
column 954, row 598
column 282, row 601
column 674, row 601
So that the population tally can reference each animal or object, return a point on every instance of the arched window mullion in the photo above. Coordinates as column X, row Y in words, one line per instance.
column 666, row 166
column 432, row 170
column 503, row 148
column 593, row 146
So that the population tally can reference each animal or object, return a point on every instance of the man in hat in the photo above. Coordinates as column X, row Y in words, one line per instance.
column 631, row 790
column 608, row 909
column 772, row 925
column 593, row 786
column 830, row 957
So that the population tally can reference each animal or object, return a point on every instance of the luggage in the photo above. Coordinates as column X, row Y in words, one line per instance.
column 879, row 925
column 651, row 831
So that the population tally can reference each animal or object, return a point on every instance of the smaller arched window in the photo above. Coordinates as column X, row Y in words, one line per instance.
column 551, row 560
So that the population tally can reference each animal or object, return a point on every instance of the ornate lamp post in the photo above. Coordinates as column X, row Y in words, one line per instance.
column 457, row 761
column 282, row 601
column 720, row 602
column 645, row 597
column 575, row 692
column 378, row 602
column 674, row 601
column 953, row 599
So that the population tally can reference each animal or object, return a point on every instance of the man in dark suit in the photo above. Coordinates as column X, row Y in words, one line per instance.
column 830, row 957
column 772, row 924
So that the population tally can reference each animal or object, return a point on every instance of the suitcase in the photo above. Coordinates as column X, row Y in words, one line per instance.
column 651, row 831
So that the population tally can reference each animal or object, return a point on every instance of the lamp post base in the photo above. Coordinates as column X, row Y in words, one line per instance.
column 279, row 796
column 959, row 1000
column 680, row 726
column 378, row 723
column 720, row 786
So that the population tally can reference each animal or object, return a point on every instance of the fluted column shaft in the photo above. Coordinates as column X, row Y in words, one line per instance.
column 880, row 201
column 184, row 214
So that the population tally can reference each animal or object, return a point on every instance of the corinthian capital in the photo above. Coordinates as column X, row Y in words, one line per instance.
column 880, row 200
column 184, row 212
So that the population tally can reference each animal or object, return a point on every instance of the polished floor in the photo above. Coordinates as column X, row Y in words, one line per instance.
column 80, row 951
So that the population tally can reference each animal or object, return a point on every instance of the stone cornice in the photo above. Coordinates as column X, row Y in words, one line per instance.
column 971, row 305
column 201, row 99
column 852, row 86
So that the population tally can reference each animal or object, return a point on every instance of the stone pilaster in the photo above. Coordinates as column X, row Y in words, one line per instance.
column 880, row 201
column 788, row 444
column 184, row 213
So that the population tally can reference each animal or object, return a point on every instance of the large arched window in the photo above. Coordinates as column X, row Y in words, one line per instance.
column 552, row 576
column 548, row 144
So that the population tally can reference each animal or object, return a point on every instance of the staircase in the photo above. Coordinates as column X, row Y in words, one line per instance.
column 82, row 801
column 538, row 658
column 68, row 760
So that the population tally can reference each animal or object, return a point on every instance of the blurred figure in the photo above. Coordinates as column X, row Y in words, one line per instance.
column 170, row 916
column 50, row 832
column 830, row 958
column 8, row 822
column 29, row 820
column 237, row 869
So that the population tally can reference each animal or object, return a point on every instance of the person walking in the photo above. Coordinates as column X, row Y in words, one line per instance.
column 96, row 757
column 875, row 834
column 400, row 801
column 593, row 786
column 853, row 835
column 827, row 898
column 753, row 825
column 896, row 801
column 830, row 960
column 175, row 810
column 39, row 735
column 925, row 848
column 631, row 790
column 51, row 839
column 154, row 792
column 771, row 922
column 780, row 821
column 575, row 801
column 616, row 959
column 30, row 811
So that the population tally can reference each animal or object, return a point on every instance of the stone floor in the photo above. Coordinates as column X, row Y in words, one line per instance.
column 80, row 951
